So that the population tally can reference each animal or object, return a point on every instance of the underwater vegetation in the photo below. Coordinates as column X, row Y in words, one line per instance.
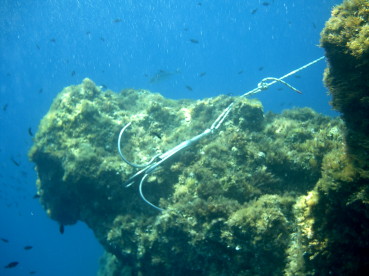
column 228, row 201
column 337, row 222
column 346, row 42
column 266, row 194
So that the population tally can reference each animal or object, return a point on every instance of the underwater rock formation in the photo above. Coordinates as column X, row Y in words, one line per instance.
column 334, row 216
column 236, row 203
column 345, row 39
column 266, row 194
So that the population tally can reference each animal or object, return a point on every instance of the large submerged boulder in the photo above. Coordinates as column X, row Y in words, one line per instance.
column 229, row 200
column 265, row 194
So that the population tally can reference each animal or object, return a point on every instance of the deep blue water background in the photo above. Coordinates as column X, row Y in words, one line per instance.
column 47, row 45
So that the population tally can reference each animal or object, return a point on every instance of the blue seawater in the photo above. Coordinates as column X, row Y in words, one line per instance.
column 181, row 49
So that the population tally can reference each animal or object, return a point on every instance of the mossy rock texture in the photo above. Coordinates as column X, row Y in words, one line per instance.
column 238, row 202
column 334, row 217
column 345, row 39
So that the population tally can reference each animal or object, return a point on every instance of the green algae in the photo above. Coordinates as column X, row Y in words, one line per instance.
column 228, row 201
column 346, row 42
column 333, row 218
column 267, row 194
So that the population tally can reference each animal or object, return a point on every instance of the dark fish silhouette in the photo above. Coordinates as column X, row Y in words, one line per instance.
column 189, row 87
column 261, row 68
column 27, row 247
column 30, row 132
column 36, row 196
column 61, row 229
column 254, row 11
column 5, row 107
column 195, row 41
column 162, row 75
column 11, row 265
column 202, row 74
column 15, row 162
column 40, row 91
column 117, row 20
column 240, row 72
column 4, row 240
column 265, row 3
column 52, row 40
column 73, row 73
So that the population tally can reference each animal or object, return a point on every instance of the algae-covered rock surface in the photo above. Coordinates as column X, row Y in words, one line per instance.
column 345, row 39
column 334, row 217
column 237, row 202
column 264, row 194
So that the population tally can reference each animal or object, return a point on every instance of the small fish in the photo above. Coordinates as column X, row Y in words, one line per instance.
column 73, row 73
column 199, row 4
column 5, row 107
column 189, row 87
column 53, row 40
column 261, row 68
column 202, row 74
column 88, row 33
column 162, row 75
column 40, row 91
column 240, row 72
column 102, row 39
column 4, row 240
column 314, row 26
column 117, row 20
column 195, row 41
column 265, row 4
column 32, row 272
column 11, row 265
column 38, row 47
column 254, row 11
column 30, row 132
column 36, row 196
column 27, row 247
column 297, row 76
column 61, row 228
column 15, row 162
